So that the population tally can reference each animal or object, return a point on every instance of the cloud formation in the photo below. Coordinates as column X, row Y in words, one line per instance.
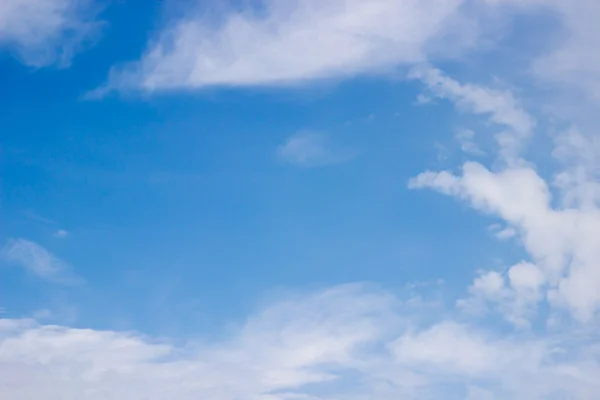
column 355, row 342
column 44, row 32
column 557, row 223
column 346, row 342
column 294, row 41
column 500, row 107
column 286, row 42
column 38, row 261
column 562, row 241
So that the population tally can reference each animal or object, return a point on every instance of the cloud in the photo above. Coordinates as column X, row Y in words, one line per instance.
column 346, row 342
column 515, row 294
column 311, row 149
column 556, row 222
column 561, row 241
column 38, row 261
column 500, row 107
column 287, row 42
column 44, row 32
column 61, row 234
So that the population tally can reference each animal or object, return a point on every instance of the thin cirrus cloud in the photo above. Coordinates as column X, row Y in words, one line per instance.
column 347, row 342
column 45, row 32
column 38, row 261
column 312, row 149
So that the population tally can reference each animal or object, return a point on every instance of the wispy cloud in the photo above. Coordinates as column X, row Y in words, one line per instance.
column 38, row 261
column 43, row 32
column 500, row 107
column 287, row 42
column 346, row 342
column 61, row 234
column 312, row 149
column 32, row 215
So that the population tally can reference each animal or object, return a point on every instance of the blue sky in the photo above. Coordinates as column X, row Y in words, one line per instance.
column 299, row 199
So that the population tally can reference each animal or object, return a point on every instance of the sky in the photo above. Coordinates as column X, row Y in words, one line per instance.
column 299, row 199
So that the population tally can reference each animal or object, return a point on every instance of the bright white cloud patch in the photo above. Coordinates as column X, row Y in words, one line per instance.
column 347, row 342
column 38, row 261
column 43, row 32
column 287, row 42
column 290, row 41
column 562, row 241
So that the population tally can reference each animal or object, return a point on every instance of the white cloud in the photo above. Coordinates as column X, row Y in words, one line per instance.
column 515, row 294
column 286, row 42
column 455, row 349
column 559, row 238
column 293, row 41
column 526, row 277
column 42, row 32
column 38, row 261
column 499, row 106
column 311, row 149
column 555, row 220
column 348, row 342
column 561, row 241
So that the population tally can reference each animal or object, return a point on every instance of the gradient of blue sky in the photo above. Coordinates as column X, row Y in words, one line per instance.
column 235, row 215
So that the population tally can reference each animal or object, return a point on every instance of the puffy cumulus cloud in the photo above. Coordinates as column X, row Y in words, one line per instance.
column 516, row 295
column 347, row 342
column 291, row 41
column 42, row 32
column 38, row 261
column 556, row 219
column 312, row 149
column 562, row 241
